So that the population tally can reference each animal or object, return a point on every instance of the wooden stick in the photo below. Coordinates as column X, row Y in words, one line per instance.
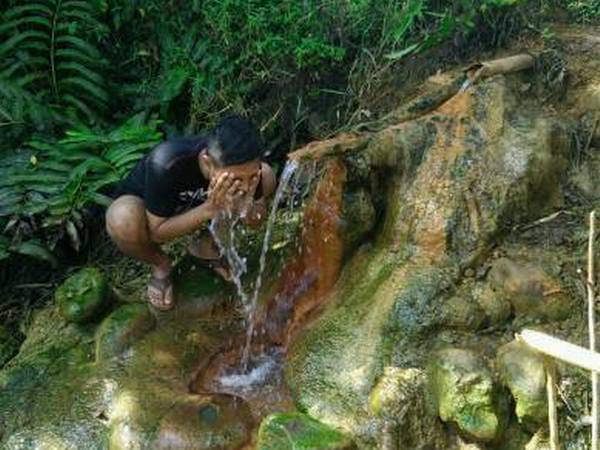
column 552, row 415
column 592, row 328
column 559, row 349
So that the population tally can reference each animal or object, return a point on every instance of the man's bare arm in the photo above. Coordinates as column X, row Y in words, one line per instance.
column 164, row 229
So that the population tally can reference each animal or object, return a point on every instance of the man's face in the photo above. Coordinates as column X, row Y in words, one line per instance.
column 246, row 174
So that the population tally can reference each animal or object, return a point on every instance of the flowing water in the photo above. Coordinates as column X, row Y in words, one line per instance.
column 294, row 184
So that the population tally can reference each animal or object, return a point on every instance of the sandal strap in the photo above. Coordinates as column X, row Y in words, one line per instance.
column 162, row 285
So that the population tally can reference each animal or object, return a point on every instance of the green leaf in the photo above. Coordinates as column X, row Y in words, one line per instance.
column 95, row 91
column 17, row 40
column 402, row 53
column 79, row 44
column 26, row 21
column 35, row 249
column 28, row 8
column 173, row 83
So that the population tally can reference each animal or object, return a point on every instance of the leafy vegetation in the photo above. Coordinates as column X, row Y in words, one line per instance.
column 46, row 186
column 50, row 69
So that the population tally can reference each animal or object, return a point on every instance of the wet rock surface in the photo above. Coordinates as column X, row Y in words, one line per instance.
column 459, row 174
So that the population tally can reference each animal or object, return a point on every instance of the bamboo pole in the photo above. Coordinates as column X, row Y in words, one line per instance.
column 592, row 328
column 552, row 414
column 559, row 349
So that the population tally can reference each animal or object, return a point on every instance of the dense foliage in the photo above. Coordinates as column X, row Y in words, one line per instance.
column 73, row 71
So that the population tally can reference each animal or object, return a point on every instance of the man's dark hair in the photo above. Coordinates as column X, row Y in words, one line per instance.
column 235, row 140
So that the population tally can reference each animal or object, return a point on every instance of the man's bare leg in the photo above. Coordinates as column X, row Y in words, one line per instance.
column 127, row 226
column 205, row 249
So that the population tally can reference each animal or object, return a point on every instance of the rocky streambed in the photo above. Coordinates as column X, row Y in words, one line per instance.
column 429, row 241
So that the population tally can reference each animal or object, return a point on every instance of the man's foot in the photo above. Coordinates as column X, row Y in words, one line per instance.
column 210, row 259
column 160, row 293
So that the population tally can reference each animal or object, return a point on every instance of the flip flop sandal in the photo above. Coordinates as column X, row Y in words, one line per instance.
column 219, row 264
column 164, row 286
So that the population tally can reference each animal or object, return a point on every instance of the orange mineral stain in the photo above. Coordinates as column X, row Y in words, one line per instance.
column 307, row 279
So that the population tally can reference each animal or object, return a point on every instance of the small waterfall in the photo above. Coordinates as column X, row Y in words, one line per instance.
column 286, row 177
column 291, row 187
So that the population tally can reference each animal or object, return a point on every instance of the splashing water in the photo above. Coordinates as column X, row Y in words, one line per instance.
column 286, row 177
column 222, row 229
column 262, row 368
column 466, row 85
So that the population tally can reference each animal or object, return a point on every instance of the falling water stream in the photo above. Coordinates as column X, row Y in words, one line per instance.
column 223, row 229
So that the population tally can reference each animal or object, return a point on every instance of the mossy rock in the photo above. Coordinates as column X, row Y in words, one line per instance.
column 464, row 393
column 522, row 371
column 123, row 326
column 83, row 295
column 400, row 400
column 297, row 431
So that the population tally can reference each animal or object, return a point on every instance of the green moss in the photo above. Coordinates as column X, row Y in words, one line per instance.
column 82, row 296
column 464, row 393
column 296, row 431
column 121, row 328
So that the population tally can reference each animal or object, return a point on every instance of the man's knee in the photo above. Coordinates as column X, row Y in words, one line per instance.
column 125, row 220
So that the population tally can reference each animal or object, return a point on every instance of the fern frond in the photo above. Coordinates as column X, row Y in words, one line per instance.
column 19, row 41
column 95, row 92
column 25, row 22
column 47, row 49
column 79, row 44
column 35, row 8
column 80, row 105
column 81, row 70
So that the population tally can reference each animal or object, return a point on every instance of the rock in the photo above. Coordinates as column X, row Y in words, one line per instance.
column 406, row 412
column 529, row 289
column 205, row 423
column 83, row 295
column 9, row 346
column 464, row 393
column 123, row 326
column 297, row 431
column 522, row 371
column 454, row 180
column 463, row 313
column 495, row 307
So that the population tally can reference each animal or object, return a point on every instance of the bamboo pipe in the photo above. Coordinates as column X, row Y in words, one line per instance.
column 559, row 349
column 510, row 64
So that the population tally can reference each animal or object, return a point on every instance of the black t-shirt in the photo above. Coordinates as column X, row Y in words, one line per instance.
column 169, row 177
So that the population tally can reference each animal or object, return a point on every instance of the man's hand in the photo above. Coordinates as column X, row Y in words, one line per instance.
column 222, row 192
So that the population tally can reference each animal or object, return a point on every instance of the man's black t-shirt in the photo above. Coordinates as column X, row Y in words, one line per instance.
column 169, row 177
